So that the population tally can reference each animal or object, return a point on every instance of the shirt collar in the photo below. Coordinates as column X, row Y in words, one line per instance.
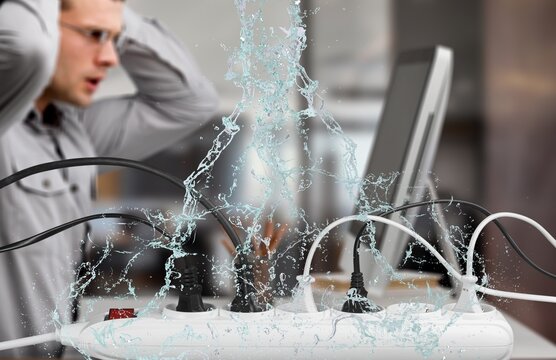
column 50, row 119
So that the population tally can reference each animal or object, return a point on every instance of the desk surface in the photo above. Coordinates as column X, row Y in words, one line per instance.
column 527, row 343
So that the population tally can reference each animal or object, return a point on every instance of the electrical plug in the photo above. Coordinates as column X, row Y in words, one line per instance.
column 245, row 300
column 303, row 292
column 468, row 301
column 357, row 301
column 190, row 297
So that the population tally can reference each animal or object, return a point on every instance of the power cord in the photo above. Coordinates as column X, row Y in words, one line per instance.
column 468, row 301
column 305, row 278
column 109, row 161
column 28, row 341
column 471, row 249
column 244, row 272
column 190, row 289
column 51, row 232
column 357, row 244
column 360, row 303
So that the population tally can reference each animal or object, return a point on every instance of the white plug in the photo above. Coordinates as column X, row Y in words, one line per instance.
column 302, row 297
column 468, row 301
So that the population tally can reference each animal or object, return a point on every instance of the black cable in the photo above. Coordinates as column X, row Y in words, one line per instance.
column 243, row 273
column 108, row 161
column 51, row 232
column 356, row 261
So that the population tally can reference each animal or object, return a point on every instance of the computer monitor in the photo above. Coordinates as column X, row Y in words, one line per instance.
column 406, row 141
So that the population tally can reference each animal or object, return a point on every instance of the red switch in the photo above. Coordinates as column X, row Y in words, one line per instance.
column 114, row 314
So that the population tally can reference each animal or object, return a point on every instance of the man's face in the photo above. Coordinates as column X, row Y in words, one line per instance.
column 83, row 58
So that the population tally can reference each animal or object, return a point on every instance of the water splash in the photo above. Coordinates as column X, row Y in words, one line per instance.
column 282, row 100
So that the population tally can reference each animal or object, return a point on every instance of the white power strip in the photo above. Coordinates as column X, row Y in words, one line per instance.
column 401, row 331
column 465, row 330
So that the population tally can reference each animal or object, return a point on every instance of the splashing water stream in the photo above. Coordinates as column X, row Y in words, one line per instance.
column 267, row 68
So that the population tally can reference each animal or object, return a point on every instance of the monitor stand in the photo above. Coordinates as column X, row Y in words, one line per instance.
column 443, row 244
column 443, row 236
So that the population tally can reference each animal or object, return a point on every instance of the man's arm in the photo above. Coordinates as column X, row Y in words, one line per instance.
column 173, row 97
column 28, row 47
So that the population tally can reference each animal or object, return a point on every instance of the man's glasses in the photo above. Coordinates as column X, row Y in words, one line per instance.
column 98, row 36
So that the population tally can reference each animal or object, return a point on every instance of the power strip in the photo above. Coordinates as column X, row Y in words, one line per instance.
column 464, row 330
column 401, row 331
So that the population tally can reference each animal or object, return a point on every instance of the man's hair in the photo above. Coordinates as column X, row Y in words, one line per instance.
column 66, row 4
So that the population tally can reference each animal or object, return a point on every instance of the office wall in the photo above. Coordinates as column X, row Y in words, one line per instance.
column 454, row 23
column 520, row 68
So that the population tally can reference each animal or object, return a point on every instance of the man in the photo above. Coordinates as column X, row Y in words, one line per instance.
column 53, row 56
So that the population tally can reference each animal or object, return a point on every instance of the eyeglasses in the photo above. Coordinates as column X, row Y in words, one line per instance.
column 98, row 36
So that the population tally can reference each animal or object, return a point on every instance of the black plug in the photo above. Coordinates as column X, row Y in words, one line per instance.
column 245, row 300
column 190, row 298
column 357, row 301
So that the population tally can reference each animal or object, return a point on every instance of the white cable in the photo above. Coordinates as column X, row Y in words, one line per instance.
column 515, row 295
column 32, row 340
column 309, row 301
column 479, row 229
column 471, row 250
column 379, row 219
column 305, row 280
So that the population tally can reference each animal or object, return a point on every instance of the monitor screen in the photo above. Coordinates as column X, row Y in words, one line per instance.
column 405, row 145
column 397, row 123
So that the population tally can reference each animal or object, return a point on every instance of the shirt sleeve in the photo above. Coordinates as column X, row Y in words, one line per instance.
column 28, row 47
column 173, row 98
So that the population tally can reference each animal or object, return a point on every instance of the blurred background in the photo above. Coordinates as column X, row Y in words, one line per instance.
column 495, row 148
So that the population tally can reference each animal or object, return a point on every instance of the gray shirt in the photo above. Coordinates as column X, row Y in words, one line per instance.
column 172, row 100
